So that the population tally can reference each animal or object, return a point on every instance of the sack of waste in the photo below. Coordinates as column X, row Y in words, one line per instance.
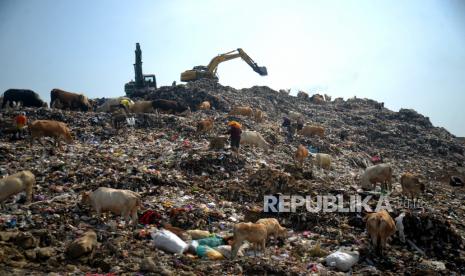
column 212, row 241
column 198, row 234
column 225, row 250
column 343, row 260
column 204, row 251
column 168, row 241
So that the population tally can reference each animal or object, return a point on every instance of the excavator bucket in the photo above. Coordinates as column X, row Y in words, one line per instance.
column 261, row 70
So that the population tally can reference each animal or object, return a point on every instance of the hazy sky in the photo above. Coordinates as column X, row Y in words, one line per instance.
column 408, row 54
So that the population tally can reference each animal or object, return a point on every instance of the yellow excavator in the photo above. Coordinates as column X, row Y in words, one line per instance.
column 209, row 72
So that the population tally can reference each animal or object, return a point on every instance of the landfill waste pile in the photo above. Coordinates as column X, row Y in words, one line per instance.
column 192, row 195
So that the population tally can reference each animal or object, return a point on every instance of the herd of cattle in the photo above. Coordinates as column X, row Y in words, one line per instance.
column 78, row 102
column 126, row 203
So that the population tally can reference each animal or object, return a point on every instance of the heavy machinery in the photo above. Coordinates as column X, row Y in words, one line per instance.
column 209, row 72
column 142, row 84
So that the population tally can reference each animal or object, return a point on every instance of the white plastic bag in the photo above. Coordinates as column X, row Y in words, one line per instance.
column 342, row 260
column 131, row 121
column 226, row 251
column 168, row 241
column 400, row 226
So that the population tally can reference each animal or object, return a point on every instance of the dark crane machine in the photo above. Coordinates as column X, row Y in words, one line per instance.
column 143, row 84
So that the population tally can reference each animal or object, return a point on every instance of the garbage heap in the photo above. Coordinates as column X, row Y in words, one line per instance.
column 185, row 185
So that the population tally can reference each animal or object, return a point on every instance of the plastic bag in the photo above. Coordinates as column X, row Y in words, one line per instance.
column 198, row 234
column 342, row 260
column 212, row 241
column 400, row 226
column 204, row 251
column 168, row 241
column 131, row 121
column 225, row 250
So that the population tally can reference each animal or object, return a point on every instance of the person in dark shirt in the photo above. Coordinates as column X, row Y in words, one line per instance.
column 290, row 129
column 300, row 124
column 235, row 134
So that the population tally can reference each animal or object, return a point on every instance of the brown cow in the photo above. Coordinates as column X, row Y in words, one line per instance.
column 16, row 183
column 48, row 128
column 302, row 95
column 380, row 226
column 142, row 107
column 205, row 125
column 255, row 233
column 169, row 106
column 118, row 119
column 258, row 115
column 411, row 185
column 310, row 131
column 82, row 246
column 241, row 110
column 218, row 143
column 273, row 228
column 301, row 154
column 205, row 105
column 317, row 99
column 69, row 100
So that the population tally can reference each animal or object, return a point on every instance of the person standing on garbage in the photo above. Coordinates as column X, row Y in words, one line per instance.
column 235, row 132
column 290, row 129
column 300, row 124
column 124, row 104
column 20, row 121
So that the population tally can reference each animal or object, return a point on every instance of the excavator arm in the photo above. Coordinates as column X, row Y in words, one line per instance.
column 209, row 71
column 261, row 70
column 213, row 65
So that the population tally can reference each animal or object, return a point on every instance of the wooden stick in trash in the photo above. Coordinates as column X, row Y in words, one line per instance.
column 48, row 200
column 416, row 247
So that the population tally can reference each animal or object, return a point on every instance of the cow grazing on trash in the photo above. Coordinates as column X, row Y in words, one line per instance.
column 142, row 107
column 381, row 173
column 380, row 226
column 120, row 202
column 300, row 155
column 317, row 99
column 310, row 131
column 205, row 105
column 294, row 116
column 323, row 160
column 242, row 111
column 48, row 128
column 118, row 119
column 411, row 185
column 169, row 106
column 254, row 138
column 205, row 125
column 273, row 228
column 113, row 103
column 258, row 115
column 218, row 143
column 82, row 246
column 26, row 97
column 254, row 233
column 302, row 95
column 16, row 183
column 70, row 100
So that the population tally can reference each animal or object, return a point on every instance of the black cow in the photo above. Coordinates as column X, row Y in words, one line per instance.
column 27, row 97
column 167, row 105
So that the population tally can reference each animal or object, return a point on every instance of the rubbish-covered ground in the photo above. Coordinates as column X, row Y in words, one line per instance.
column 192, row 187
